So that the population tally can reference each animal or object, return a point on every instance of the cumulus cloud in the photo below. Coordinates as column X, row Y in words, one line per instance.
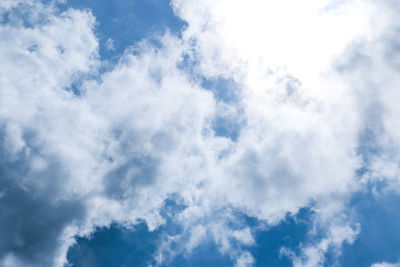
column 72, row 160
column 316, row 77
column 78, row 152
column 43, row 157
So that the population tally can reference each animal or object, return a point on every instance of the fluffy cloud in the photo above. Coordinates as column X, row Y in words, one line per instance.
column 317, row 79
column 74, row 153
column 43, row 155
column 80, row 148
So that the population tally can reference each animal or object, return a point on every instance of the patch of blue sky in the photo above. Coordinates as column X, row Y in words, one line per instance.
column 122, row 23
column 119, row 246
column 206, row 254
column 115, row 246
column 378, row 240
column 379, row 218
column 226, row 91
column 226, row 124
column 290, row 233
column 368, row 149
column 368, row 145
column 75, row 86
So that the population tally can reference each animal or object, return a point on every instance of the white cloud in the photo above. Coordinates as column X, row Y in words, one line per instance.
column 245, row 259
column 305, row 113
column 385, row 264
column 336, row 231
column 142, row 132
column 110, row 44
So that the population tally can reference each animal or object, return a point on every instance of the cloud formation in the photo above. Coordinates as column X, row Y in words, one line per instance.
column 81, row 147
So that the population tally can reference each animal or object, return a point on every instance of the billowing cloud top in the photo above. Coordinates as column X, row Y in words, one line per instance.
column 306, row 116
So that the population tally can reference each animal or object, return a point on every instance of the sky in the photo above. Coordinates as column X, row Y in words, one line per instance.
column 199, row 133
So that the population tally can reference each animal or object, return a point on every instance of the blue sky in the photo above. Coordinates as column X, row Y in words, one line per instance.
column 126, row 22
column 199, row 133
